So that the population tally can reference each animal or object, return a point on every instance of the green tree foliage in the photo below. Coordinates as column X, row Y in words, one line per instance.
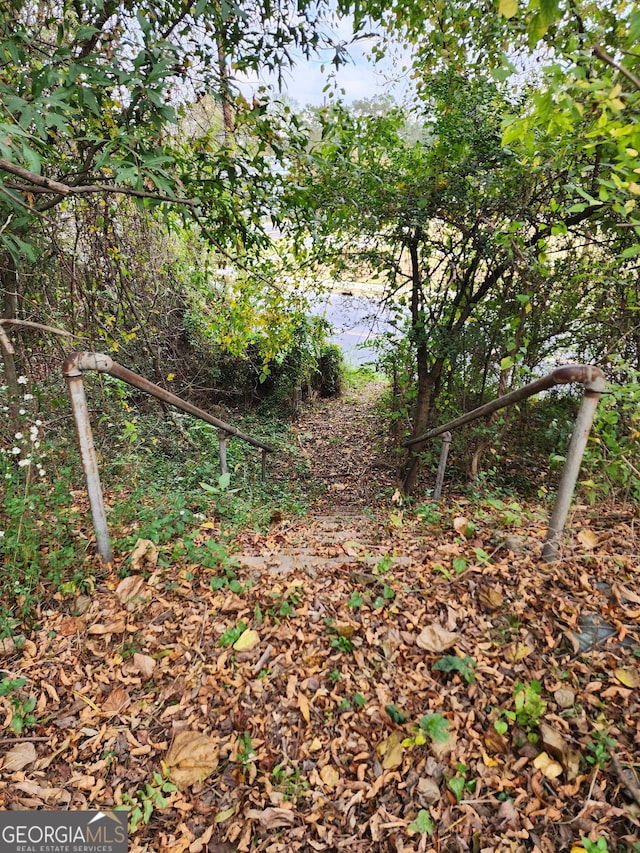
column 461, row 229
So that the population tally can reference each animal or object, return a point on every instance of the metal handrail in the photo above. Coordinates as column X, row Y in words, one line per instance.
column 594, row 383
column 72, row 369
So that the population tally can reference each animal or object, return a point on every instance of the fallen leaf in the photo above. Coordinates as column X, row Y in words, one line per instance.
column 303, row 704
column 271, row 818
column 490, row 599
column 435, row 638
column 247, row 641
column 588, row 539
column 391, row 751
column 132, row 588
column 515, row 652
column 628, row 677
column 225, row 815
column 70, row 626
column 564, row 697
column 463, row 526
column 329, row 776
column 561, row 750
column 19, row 757
column 191, row 758
column 144, row 664
column 116, row 701
column 115, row 627
column 144, row 555
column 550, row 768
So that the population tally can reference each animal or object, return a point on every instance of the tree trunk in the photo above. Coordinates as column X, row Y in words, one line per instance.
column 9, row 292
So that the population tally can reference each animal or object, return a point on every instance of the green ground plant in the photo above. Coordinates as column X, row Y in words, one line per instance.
column 21, row 707
column 145, row 801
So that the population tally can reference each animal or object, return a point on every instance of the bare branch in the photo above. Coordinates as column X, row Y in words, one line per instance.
column 602, row 54
column 33, row 325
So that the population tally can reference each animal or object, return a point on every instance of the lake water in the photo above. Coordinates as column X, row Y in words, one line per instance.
column 357, row 320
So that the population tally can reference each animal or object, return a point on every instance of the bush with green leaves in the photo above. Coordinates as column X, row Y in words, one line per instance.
column 610, row 467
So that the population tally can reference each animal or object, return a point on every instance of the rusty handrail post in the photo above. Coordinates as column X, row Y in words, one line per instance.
column 222, row 443
column 594, row 383
column 442, row 466
column 72, row 369
column 592, row 391
column 80, row 409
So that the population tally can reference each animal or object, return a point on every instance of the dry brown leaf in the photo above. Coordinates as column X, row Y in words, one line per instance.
column 621, row 592
column 550, row 768
column 7, row 645
column 440, row 749
column 515, row 652
column 116, row 701
column 555, row 744
column 115, row 627
column 247, row 641
column 435, row 638
column 132, row 589
column 463, row 526
column 191, row 758
column 628, row 677
column 271, row 818
column 490, row 599
column 70, row 626
column 303, row 704
column 225, row 815
column 391, row 751
column 494, row 741
column 144, row 664
column 19, row 757
column 564, row 697
column 144, row 555
column 588, row 539
column 329, row 776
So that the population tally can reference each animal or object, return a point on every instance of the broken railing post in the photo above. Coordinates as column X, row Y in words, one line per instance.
column 592, row 391
column 73, row 376
column 442, row 466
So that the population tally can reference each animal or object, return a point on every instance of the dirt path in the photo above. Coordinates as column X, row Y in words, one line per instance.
column 347, row 450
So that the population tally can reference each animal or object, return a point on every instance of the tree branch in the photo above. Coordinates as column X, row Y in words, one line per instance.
column 602, row 54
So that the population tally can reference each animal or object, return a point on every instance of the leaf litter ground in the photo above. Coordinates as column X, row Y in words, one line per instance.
column 371, row 680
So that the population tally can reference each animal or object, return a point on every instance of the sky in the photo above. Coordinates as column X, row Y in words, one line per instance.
column 359, row 78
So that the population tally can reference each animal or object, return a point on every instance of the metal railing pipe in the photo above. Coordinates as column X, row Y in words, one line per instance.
column 442, row 465
column 594, row 383
column 569, row 476
column 80, row 409
column 582, row 373
column 73, row 367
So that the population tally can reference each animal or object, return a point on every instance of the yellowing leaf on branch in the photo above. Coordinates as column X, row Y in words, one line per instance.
column 508, row 8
